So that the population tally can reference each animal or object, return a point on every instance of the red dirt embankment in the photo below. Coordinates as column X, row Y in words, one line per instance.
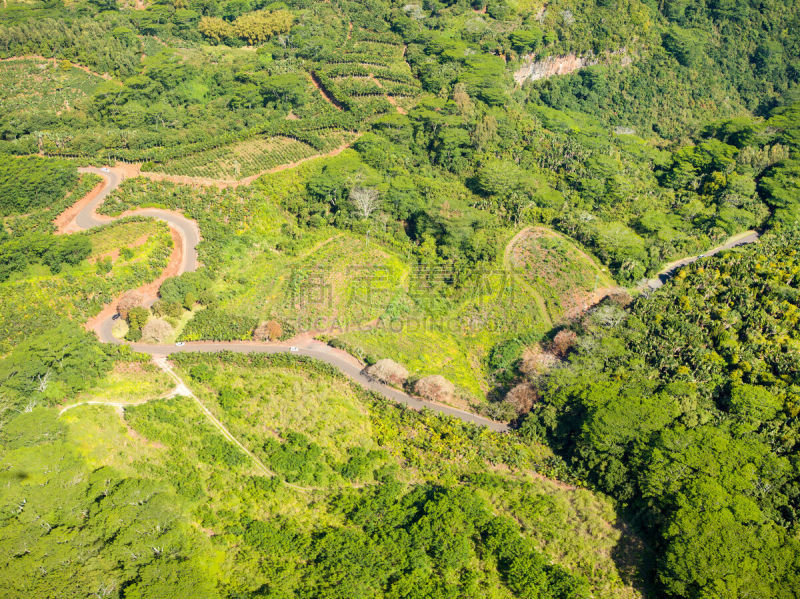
column 149, row 290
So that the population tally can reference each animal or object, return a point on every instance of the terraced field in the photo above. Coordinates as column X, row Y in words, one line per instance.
column 245, row 158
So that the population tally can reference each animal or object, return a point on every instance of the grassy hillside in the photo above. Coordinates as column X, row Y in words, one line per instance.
column 506, row 162
column 364, row 288
column 338, row 455
column 116, row 258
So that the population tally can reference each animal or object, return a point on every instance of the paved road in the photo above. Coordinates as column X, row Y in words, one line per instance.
column 670, row 269
column 87, row 218
column 346, row 364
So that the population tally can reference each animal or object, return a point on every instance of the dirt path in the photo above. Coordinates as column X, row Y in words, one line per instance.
column 324, row 92
column 56, row 62
column 667, row 272
column 389, row 98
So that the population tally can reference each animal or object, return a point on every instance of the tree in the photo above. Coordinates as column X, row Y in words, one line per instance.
column 137, row 317
column 215, row 28
column 131, row 299
column 62, row 361
column 156, row 330
column 435, row 388
column 388, row 371
column 287, row 90
column 365, row 200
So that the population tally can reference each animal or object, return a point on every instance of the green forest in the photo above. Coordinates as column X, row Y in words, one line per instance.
column 570, row 228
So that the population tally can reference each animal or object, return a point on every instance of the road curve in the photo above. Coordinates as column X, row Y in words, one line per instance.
column 670, row 269
column 87, row 218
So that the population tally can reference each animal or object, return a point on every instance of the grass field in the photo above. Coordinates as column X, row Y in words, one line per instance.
column 129, row 382
column 563, row 274
column 543, row 279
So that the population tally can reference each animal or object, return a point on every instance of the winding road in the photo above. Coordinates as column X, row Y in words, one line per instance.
column 670, row 269
column 83, row 216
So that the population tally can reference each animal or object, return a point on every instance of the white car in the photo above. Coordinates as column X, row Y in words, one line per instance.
column 294, row 348
column 180, row 344
column 105, row 169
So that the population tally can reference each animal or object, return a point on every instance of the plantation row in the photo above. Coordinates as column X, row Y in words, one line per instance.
column 350, row 58
column 301, row 130
column 361, row 86
column 239, row 160
column 379, row 49
column 377, row 37
column 352, row 69
column 362, row 98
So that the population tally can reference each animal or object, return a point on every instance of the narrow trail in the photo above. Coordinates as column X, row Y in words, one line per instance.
column 83, row 216
column 182, row 389
column 323, row 92
column 667, row 271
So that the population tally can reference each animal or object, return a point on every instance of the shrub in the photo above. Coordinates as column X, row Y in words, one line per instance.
column 435, row 388
column 270, row 330
column 563, row 342
column 131, row 299
column 216, row 325
column 388, row 371
column 165, row 308
column 137, row 317
column 175, row 289
column 522, row 398
column 201, row 373
column 156, row 330
column 535, row 361
column 189, row 300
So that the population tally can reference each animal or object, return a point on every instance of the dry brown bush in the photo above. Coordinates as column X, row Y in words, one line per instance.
column 270, row 330
column 563, row 342
column 619, row 297
column 131, row 299
column 156, row 330
column 535, row 360
column 388, row 371
column 435, row 388
column 522, row 397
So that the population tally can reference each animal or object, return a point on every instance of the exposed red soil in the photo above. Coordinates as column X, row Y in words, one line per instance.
column 324, row 92
column 65, row 222
column 149, row 290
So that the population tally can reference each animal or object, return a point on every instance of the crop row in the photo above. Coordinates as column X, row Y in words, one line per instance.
column 353, row 69
column 312, row 133
column 360, row 87
column 379, row 37
column 371, row 48
column 240, row 159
